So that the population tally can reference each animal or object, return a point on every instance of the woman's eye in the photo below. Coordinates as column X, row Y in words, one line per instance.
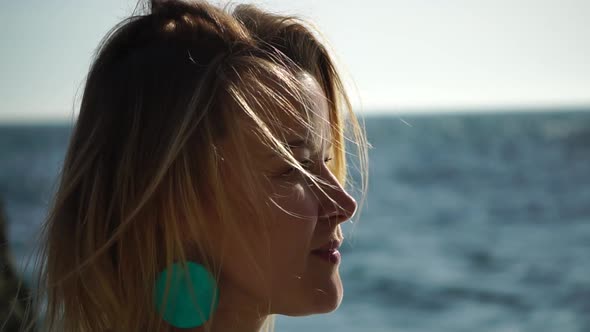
column 306, row 164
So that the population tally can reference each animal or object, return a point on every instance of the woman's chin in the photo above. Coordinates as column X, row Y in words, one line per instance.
column 328, row 296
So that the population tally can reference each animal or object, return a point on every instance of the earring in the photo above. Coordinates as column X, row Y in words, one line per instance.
column 191, row 293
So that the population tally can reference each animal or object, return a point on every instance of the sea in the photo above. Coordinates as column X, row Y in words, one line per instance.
column 471, row 222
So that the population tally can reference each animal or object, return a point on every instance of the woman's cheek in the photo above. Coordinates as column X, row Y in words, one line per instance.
column 300, row 200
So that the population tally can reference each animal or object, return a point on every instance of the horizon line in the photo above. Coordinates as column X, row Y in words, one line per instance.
column 475, row 108
column 375, row 111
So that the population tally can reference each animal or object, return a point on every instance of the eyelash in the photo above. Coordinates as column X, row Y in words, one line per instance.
column 305, row 164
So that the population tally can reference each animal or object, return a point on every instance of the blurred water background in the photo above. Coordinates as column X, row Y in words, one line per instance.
column 472, row 222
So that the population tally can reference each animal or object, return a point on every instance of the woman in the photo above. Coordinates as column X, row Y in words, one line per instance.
column 203, row 185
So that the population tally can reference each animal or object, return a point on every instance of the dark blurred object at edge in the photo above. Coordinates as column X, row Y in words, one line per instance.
column 13, row 301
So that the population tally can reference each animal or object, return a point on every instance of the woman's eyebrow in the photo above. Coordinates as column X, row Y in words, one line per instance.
column 295, row 143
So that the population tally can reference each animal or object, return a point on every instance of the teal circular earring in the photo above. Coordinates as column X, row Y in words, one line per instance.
column 192, row 292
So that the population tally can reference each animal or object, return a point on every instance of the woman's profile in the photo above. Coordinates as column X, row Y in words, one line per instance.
column 203, row 187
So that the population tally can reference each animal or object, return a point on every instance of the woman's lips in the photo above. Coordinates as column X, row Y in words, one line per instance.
column 330, row 255
column 330, row 245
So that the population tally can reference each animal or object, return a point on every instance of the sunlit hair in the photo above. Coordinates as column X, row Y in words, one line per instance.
column 144, row 183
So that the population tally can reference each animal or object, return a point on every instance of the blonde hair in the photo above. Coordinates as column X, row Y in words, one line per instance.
column 143, row 172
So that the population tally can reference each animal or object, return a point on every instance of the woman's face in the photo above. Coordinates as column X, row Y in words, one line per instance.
column 302, row 219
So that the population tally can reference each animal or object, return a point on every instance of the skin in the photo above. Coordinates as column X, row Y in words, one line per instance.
column 294, row 282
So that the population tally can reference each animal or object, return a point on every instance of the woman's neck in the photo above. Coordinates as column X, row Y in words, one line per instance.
column 236, row 311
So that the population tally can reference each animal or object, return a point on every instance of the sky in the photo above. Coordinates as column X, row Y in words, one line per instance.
column 397, row 56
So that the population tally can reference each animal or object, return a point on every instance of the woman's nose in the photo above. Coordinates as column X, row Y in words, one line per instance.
column 336, row 204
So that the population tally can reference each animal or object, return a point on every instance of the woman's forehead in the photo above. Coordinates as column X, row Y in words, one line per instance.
column 313, row 134
column 309, row 126
column 311, row 117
